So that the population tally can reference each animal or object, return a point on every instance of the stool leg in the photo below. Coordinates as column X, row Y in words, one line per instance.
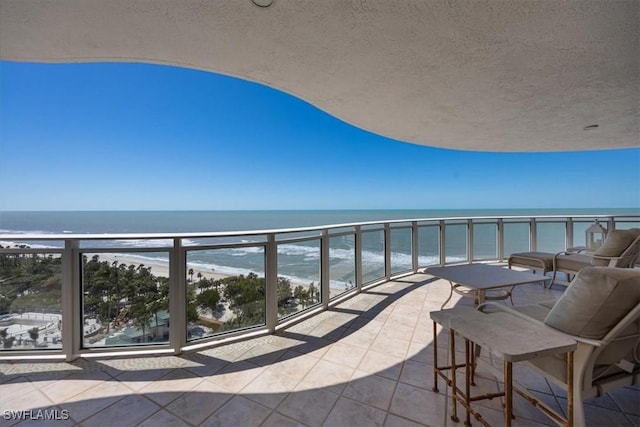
column 468, row 369
column 454, row 388
column 435, row 359
column 508, row 393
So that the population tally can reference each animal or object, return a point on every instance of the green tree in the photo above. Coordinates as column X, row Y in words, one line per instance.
column 284, row 291
column 190, row 274
column 34, row 333
column 301, row 295
column 7, row 342
column 141, row 314
column 208, row 299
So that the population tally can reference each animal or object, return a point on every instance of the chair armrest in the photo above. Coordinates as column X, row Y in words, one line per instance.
column 612, row 259
column 576, row 250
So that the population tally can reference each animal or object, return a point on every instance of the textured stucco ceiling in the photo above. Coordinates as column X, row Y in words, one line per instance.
column 492, row 75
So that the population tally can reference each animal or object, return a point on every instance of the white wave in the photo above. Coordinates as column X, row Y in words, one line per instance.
column 222, row 269
column 31, row 245
column 18, row 232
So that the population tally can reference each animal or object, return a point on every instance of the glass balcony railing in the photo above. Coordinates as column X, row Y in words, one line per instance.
column 69, row 295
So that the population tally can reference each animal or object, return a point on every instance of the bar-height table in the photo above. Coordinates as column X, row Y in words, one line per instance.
column 508, row 337
column 480, row 278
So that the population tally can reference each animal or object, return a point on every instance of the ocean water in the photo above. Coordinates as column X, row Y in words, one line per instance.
column 299, row 261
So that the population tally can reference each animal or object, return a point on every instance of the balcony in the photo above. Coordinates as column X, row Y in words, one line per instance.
column 357, row 351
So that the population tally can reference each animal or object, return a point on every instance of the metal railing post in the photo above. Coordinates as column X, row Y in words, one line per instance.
column 470, row 240
column 500, row 239
column 414, row 246
column 271, row 283
column 324, row 269
column 177, row 296
column 358, row 256
column 387, row 251
column 569, row 233
column 71, row 304
column 533, row 235
column 443, row 245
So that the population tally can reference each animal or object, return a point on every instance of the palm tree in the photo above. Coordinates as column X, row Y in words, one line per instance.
column 191, row 274
column 199, row 275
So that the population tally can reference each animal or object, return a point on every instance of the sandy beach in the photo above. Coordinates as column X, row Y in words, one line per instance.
column 161, row 269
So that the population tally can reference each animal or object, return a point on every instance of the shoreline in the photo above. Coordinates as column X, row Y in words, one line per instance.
column 161, row 269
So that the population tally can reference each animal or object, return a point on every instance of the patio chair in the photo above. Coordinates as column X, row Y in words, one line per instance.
column 601, row 311
column 620, row 249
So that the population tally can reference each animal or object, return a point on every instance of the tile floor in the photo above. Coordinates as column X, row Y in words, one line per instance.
column 367, row 362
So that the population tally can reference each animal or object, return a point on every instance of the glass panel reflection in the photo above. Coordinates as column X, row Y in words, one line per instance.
column 342, row 263
column 30, row 301
column 225, row 290
column 298, row 276
column 372, row 256
column 401, row 250
column 125, row 299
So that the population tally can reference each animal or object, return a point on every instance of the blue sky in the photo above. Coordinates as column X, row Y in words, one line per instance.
column 139, row 136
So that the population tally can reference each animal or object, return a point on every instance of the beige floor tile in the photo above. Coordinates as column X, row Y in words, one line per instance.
column 417, row 374
column 366, row 325
column 332, row 376
column 398, row 331
column 202, row 364
column 358, row 338
column 313, row 346
column 269, row 388
column 33, row 400
column 294, row 365
column 422, row 353
column 199, row 403
column 136, row 364
column 279, row 420
column 418, row 405
column 350, row 413
column 72, row 385
column 381, row 364
column 262, row 354
column 345, row 354
column 328, row 331
column 236, row 376
column 402, row 319
column 15, row 389
column 396, row 421
column 598, row 417
column 284, row 343
column 136, row 380
column 340, row 319
column 371, row 389
column 170, row 386
column 164, row 419
column 627, row 399
column 92, row 401
column 392, row 346
column 309, row 407
column 129, row 411
column 238, row 411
